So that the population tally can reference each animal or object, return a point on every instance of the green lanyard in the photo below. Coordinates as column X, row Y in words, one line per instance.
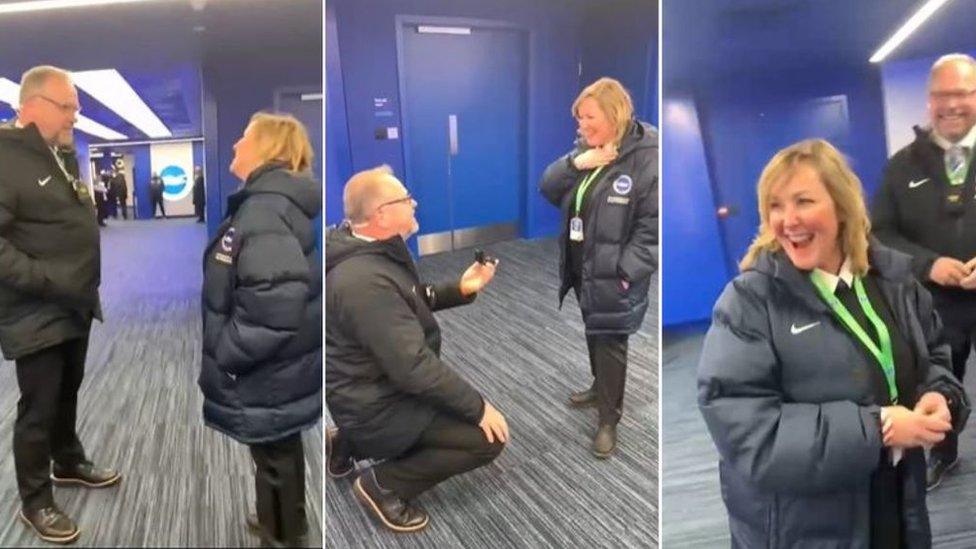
column 583, row 186
column 884, row 355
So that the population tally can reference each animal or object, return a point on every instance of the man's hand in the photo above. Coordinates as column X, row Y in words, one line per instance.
column 596, row 157
column 904, row 428
column 934, row 404
column 493, row 424
column 948, row 271
column 477, row 277
column 969, row 282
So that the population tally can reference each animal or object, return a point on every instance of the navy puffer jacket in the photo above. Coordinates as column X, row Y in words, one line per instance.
column 792, row 412
column 620, row 231
column 262, row 311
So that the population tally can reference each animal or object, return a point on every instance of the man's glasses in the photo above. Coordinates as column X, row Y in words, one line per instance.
column 66, row 108
column 407, row 198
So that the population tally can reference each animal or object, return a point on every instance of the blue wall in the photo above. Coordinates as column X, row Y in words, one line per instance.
column 620, row 39
column 366, row 36
column 689, row 224
column 338, row 159
column 744, row 120
column 234, row 88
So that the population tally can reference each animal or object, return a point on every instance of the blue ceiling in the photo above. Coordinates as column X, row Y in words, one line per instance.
column 719, row 38
column 159, row 47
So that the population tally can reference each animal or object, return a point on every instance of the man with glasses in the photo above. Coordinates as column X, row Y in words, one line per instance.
column 49, row 277
column 387, row 388
column 926, row 208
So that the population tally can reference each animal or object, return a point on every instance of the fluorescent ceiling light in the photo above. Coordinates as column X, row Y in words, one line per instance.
column 45, row 5
column 110, row 89
column 10, row 94
column 913, row 23
column 430, row 29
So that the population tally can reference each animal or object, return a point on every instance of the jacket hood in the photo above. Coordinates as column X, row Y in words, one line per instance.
column 639, row 135
column 340, row 245
column 300, row 188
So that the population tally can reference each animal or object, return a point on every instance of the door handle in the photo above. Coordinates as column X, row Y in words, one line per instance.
column 452, row 133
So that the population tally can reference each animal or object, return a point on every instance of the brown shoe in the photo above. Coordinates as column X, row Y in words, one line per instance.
column 50, row 524
column 84, row 474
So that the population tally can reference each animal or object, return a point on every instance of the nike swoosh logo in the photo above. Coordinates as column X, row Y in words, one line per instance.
column 44, row 181
column 913, row 184
column 797, row 331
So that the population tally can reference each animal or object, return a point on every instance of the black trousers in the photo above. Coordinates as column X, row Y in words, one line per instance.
column 608, row 364
column 279, row 483
column 448, row 447
column 198, row 209
column 122, row 209
column 959, row 328
column 46, row 415
column 158, row 201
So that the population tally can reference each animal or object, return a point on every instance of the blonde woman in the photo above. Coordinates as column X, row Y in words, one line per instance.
column 262, row 319
column 823, row 374
column 607, row 191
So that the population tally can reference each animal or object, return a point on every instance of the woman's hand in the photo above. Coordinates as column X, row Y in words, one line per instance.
column 934, row 404
column 904, row 428
column 596, row 157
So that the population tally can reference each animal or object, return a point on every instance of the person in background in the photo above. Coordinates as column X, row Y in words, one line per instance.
column 925, row 208
column 261, row 374
column 156, row 189
column 199, row 194
column 606, row 189
column 824, row 373
column 101, row 199
column 121, row 192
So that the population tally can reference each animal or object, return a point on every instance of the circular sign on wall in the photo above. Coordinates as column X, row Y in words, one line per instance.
column 175, row 183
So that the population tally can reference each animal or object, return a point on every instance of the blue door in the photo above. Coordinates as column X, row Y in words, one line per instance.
column 750, row 138
column 464, row 132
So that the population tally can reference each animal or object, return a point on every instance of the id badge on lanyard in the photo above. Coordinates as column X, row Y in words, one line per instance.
column 576, row 229
column 576, row 222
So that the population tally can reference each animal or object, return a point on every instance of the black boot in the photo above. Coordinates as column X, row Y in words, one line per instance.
column 393, row 511
column 338, row 460
column 584, row 399
column 50, row 524
column 605, row 441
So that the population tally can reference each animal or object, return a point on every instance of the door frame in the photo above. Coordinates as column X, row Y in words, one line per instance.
column 402, row 21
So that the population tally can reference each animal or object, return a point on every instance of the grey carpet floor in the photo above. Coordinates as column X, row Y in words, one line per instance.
column 694, row 515
column 545, row 490
column 139, row 410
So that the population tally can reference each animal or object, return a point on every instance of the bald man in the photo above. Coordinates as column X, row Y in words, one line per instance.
column 925, row 207
column 387, row 388
column 49, row 277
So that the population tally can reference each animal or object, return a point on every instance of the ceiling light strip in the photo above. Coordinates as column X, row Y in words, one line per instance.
column 112, row 90
column 910, row 26
column 47, row 5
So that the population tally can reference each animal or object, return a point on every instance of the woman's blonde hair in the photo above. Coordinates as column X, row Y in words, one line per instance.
column 842, row 185
column 282, row 138
column 613, row 100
